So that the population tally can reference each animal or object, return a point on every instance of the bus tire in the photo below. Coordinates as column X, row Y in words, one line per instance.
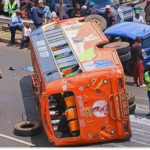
column 126, row 57
column 130, row 67
column 28, row 128
column 131, row 98
column 99, row 20
column 132, row 108
column 121, row 47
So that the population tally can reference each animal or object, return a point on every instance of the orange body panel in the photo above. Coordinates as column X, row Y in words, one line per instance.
column 101, row 106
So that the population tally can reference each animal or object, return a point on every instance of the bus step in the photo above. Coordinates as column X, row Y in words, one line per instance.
column 51, row 32
column 67, row 64
column 61, row 51
column 58, row 43
column 66, row 59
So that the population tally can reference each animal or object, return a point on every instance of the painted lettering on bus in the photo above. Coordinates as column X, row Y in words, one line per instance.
column 81, row 105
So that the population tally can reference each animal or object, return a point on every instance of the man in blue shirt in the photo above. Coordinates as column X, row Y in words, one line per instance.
column 15, row 23
column 47, row 12
column 37, row 15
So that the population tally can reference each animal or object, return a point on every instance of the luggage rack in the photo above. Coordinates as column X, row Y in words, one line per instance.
column 64, row 56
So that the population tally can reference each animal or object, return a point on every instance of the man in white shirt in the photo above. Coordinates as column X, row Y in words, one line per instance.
column 118, row 14
column 138, row 18
column 15, row 23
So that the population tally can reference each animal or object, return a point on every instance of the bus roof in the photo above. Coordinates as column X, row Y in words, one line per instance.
column 80, row 38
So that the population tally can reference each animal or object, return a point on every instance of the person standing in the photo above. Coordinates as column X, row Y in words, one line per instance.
column 26, row 31
column 77, row 12
column 64, row 10
column 92, row 10
column 147, row 82
column 109, row 16
column 37, row 15
column 138, row 18
column 12, row 7
column 15, row 23
column 47, row 12
column 5, row 8
column 137, row 58
column 118, row 14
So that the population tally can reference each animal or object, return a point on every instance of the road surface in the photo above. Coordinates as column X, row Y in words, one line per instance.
column 16, row 98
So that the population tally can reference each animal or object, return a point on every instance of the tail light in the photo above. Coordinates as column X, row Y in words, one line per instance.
column 120, row 83
column 126, row 127
column 125, row 105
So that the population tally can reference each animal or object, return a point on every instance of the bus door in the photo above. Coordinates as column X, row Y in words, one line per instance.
column 118, row 103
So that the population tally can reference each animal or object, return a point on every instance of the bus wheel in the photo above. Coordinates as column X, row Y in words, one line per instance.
column 99, row 20
column 122, row 48
column 132, row 108
column 27, row 128
column 130, row 67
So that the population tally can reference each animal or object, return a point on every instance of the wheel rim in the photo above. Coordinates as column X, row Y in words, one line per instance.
column 97, row 22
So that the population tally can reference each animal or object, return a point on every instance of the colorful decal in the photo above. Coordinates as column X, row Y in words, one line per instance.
column 80, row 88
column 95, row 136
column 71, row 28
column 82, row 123
column 89, row 136
column 64, row 87
column 89, row 111
column 100, row 108
column 88, row 66
column 81, row 105
column 105, row 134
column 44, row 54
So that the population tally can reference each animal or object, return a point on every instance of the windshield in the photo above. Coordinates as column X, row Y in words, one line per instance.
column 145, row 43
column 102, row 3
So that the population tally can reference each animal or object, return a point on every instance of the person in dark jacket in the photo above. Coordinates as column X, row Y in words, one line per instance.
column 137, row 58
column 37, row 15
column 109, row 16
column 77, row 12
column 92, row 10
column 64, row 11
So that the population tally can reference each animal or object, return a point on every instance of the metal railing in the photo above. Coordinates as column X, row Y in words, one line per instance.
column 6, row 20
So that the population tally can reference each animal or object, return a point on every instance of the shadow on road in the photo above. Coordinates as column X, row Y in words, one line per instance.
column 40, row 140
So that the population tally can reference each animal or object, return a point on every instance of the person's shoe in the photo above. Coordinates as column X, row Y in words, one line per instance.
column 136, row 84
column 143, row 85
column 20, row 48
column 148, row 114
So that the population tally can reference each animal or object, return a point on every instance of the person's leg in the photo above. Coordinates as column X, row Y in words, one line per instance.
column 141, row 73
column 135, row 76
column 23, row 42
column 13, row 31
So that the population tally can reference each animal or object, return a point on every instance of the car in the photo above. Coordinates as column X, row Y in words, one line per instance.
column 100, row 5
column 128, row 31
column 130, row 2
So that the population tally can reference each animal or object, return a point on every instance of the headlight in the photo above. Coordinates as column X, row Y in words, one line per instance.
column 144, row 53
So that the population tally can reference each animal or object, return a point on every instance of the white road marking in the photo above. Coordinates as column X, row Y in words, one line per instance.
column 141, row 98
column 29, row 98
column 141, row 134
column 140, row 142
column 139, row 130
column 17, row 140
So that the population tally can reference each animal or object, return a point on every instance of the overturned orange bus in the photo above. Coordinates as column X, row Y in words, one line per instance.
column 79, row 86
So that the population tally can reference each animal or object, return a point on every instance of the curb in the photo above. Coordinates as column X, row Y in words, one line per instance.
column 3, row 40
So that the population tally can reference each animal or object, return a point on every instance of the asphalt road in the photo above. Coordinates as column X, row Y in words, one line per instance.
column 16, row 98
